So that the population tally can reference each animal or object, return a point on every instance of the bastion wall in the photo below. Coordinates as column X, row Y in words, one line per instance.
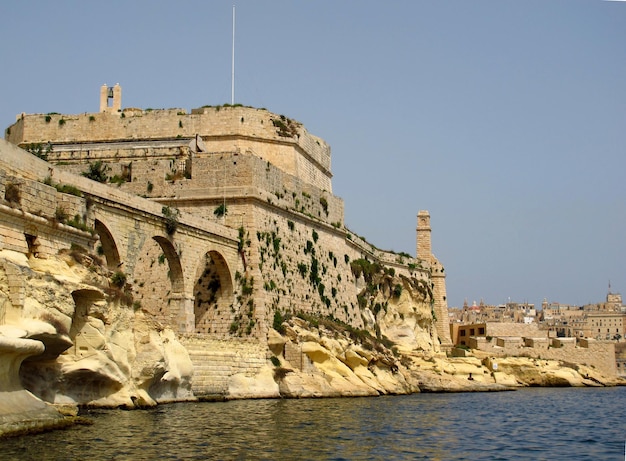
column 157, row 134
column 272, row 177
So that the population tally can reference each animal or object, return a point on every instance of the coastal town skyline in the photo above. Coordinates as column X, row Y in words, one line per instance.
column 505, row 121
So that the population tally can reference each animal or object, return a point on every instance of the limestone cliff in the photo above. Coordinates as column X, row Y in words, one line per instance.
column 71, row 337
column 321, row 358
column 397, row 353
column 79, row 341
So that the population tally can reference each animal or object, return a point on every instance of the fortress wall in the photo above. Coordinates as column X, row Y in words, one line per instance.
column 75, row 157
column 15, row 131
column 600, row 356
column 280, row 250
column 291, row 159
column 298, row 252
column 232, row 175
column 597, row 354
column 258, row 123
column 97, row 127
column 306, row 245
column 225, row 130
column 16, row 161
column 35, row 209
column 117, row 157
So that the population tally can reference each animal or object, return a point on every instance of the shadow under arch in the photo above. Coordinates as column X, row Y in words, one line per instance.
column 213, row 294
column 176, row 269
column 109, row 247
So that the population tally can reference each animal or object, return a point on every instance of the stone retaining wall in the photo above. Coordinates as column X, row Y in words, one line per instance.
column 217, row 361
column 597, row 354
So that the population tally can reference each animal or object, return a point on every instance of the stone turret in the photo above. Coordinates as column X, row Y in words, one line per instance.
column 424, row 249
column 438, row 277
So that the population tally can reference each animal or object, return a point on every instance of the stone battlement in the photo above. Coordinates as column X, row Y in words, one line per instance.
column 156, row 134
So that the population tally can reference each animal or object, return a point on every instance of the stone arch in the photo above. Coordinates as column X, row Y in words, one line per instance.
column 213, row 294
column 176, row 269
column 109, row 247
column 157, row 281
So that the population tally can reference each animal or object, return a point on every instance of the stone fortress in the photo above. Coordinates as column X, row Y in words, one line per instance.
column 211, row 227
column 247, row 169
column 149, row 256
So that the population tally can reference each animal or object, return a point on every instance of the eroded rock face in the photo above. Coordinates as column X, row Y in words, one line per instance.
column 400, row 309
column 20, row 411
column 95, row 349
column 325, row 361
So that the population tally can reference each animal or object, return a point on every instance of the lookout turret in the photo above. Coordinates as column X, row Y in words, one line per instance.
column 424, row 249
column 438, row 277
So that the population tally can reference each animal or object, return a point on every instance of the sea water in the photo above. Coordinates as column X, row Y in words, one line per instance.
column 527, row 424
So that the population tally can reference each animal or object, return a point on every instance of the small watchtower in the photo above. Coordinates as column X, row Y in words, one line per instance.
column 438, row 277
column 110, row 98
column 424, row 248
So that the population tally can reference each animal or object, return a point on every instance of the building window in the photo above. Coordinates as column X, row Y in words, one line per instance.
column 481, row 331
column 462, row 332
column 472, row 332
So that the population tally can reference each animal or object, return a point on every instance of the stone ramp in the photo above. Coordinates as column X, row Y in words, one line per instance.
column 216, row 361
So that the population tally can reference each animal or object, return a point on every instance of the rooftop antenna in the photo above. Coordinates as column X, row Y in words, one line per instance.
column 232, row 86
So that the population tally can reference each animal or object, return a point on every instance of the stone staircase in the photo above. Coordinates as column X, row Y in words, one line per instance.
column 216, row 361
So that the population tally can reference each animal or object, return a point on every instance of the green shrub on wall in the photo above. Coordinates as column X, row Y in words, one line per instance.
column 171, row 219
column 97, row 171
column 221, row 210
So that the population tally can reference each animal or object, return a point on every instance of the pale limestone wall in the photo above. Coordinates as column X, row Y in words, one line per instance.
column 287, row 230
column 440, row 296
column 217, row 361
column 597, row 354
column 440, row 305
column 35, row 216
column 239, row 129
column 513, row 329
column 233, row 177
column 278, row 280
column 131, row 220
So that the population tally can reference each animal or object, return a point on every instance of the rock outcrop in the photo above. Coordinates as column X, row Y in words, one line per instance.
column 327, row 360
column 69, row 337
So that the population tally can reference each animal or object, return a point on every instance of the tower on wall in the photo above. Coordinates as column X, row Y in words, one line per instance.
column 438, row 277
column 111, row 98
column 424, row 249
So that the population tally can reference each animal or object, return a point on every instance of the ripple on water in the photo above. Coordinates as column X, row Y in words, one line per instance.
column 537, row 424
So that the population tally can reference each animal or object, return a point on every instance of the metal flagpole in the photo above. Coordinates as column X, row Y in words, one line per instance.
column 232, row 89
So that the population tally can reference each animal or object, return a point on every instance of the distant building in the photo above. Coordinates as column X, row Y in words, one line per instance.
column 461, row 334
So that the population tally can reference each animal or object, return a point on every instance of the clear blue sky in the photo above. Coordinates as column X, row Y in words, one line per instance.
column 505, row 119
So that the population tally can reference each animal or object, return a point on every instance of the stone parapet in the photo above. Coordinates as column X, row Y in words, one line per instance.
column 133, row 133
